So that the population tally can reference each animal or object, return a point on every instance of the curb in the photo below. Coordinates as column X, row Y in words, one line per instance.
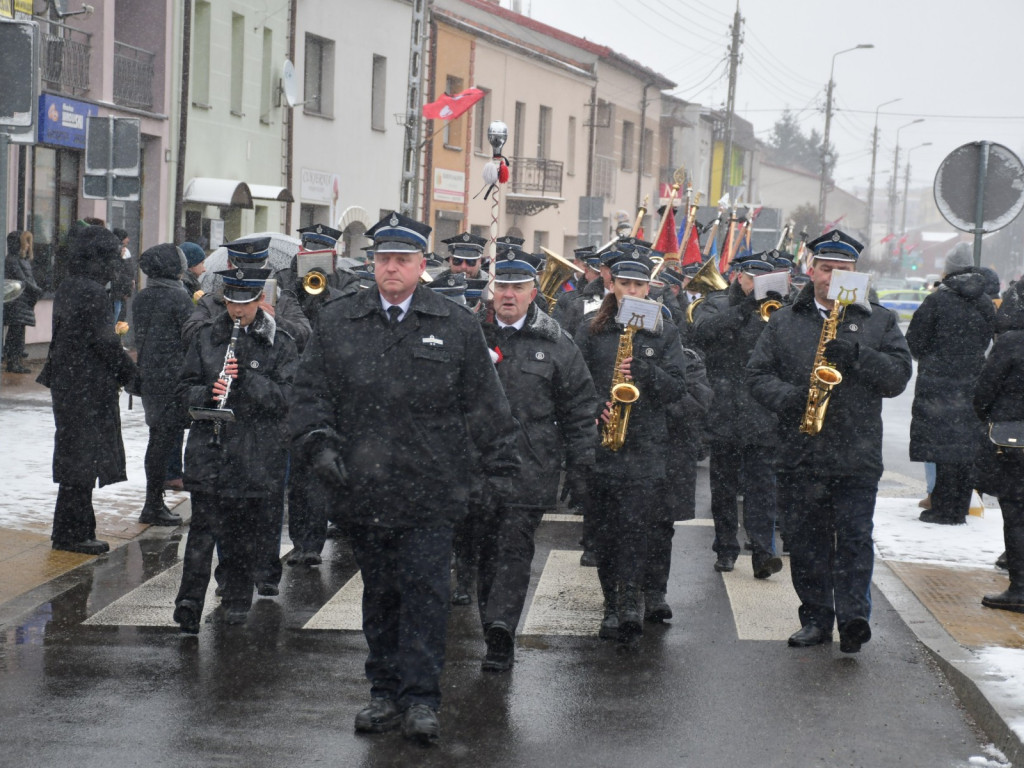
column 959, row 664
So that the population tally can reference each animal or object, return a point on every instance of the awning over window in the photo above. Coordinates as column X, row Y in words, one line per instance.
column 223, row 192
column 270, row 192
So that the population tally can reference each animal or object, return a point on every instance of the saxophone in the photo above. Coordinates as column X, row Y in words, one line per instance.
column 823, row 377
column 623, row 395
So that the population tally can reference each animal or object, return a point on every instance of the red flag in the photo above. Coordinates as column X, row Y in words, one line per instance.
column 692, row 254
column 667, row 242
column 887, row 238
column 450, row 107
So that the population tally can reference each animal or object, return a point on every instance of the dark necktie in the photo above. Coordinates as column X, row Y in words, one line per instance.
column 506, row 333
column 394, row 312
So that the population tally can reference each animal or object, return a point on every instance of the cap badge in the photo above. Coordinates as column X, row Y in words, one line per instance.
column 240, row 275
column 393, row 221
column 539, row 355
column 509, row 256
column 835, row 237
column 465, row 238
column 319, row 229
column 254, row 363
column 249, row 248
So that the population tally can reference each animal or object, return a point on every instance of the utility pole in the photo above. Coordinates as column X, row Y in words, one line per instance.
column 730, row 106
column 413, row 117
column 871, row 181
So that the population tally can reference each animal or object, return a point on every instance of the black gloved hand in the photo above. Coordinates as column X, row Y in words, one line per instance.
column 842, row 353
column 773, row 296
column 576, row 492
column 328, row 466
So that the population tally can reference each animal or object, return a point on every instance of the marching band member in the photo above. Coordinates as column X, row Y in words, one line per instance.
column 620, row 487
column 829, row 473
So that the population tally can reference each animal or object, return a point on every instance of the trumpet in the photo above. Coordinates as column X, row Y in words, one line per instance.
column 314, row 282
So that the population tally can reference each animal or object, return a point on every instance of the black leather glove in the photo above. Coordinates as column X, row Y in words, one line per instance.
column 774, row 296
column 576, row 489
column 842, row 353
column 329, row 467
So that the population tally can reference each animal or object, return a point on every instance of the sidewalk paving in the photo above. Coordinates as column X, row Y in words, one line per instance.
column 934, row 576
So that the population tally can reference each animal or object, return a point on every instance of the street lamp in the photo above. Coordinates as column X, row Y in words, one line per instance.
column 906, row 186
column 871, row 181
column 895, row 176
column 823, row 186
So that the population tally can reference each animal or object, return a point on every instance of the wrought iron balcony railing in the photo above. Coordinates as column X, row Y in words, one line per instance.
column 133, row 76
column 65, row 57
column 536, row 176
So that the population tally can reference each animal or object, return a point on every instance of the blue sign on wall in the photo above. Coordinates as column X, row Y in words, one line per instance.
column 62, row 121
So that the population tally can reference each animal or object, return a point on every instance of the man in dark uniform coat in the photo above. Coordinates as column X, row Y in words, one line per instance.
column 572, row 307
column 553, row 400
column 393, row 385
column 234, row 470
column 741, row 431
column 830, row 479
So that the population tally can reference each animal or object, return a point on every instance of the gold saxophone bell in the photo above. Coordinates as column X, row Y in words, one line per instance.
column 828, row 375
column 625, row 393
column 314, row 283
column 767, row 307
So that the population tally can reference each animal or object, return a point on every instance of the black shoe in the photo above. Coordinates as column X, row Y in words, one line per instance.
column 748, row 545
column 17, row 368
column 219, row 591
column 83, row 547
column 153, row 515
column 766, row 564
column 267, row 589
column 335, row 532
column 295, row 557
column 656, row 608
column 420, row 724
column 853, row 634
column 460, row 595
column 808, row 635
column 1010, row 600
column 311, row 558
column 609, row 624
column 629, row 607
column 588, row 559
column 1002, row 562
column 931, row 516
column 235, row 615
column 379, row 716
column 725, row 563
column 186, row 614
column 501, row 648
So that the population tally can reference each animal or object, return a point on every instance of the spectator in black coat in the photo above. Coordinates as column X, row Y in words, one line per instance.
column 123, row 282
column 948, row 335
column 21, row 311
column 160, row 310
column 86, row 367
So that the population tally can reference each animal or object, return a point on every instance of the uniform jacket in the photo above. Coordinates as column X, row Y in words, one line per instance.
column 288, row 317
column 400, row 406
column 948, row 335
column 999, row 396
column 726, row 325
column 1010, row 314
column 250, row 461
column 21, row 311
column 553, row 401
column 572, row 307
column 779, row 374
column 86, row 367
column 659, row 374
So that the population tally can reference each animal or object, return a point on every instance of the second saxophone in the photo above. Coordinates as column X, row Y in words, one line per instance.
column 623, row 395
column 824, row 376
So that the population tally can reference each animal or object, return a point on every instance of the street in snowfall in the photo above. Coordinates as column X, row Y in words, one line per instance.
column 94, row 672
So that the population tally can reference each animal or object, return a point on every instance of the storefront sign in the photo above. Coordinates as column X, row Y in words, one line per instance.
column 62, row 121
column 9, row 7
column 318, row 186
column 449, row 186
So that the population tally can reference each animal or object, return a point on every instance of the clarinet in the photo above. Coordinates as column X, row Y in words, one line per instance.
column 223, row 404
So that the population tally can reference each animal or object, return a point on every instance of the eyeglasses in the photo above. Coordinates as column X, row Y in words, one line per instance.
column 457, row 262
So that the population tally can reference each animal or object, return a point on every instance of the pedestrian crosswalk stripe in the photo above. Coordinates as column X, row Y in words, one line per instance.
column 344, row 610
column 763, row 609
column 551, row 517
column 568, row 599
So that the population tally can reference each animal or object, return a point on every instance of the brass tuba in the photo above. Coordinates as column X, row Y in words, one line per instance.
column 314, row 282
column 557, row 270
column 707, row 280
column 767, row 307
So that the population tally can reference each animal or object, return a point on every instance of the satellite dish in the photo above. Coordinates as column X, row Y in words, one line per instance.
column 289, row 84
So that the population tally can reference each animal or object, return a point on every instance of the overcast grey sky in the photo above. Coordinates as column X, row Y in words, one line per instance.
column 955, row 63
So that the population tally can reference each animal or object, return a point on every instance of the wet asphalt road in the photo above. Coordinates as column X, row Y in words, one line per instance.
column 272, row 694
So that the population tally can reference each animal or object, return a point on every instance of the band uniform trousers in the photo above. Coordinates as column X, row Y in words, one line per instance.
column 234, row 525
column 307, row 509
column 747, row 470
column 506, row 539
column 406, row 588
column 619, row 512
column 73, row 516
column 828, row 529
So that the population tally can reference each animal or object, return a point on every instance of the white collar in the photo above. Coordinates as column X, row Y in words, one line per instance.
column 404, row 306
column 518, row 324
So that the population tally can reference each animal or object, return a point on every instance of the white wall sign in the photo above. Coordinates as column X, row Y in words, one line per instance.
column 449, row 186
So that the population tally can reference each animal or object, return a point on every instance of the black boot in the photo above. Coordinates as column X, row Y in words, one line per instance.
column 155, row 512
column 1010, row 600
column 610, row 623
column 463, row 582
column 656, row 607
column 629, row 605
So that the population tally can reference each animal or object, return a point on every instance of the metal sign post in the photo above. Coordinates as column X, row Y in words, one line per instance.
column 979, row 188
column 112, row 159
